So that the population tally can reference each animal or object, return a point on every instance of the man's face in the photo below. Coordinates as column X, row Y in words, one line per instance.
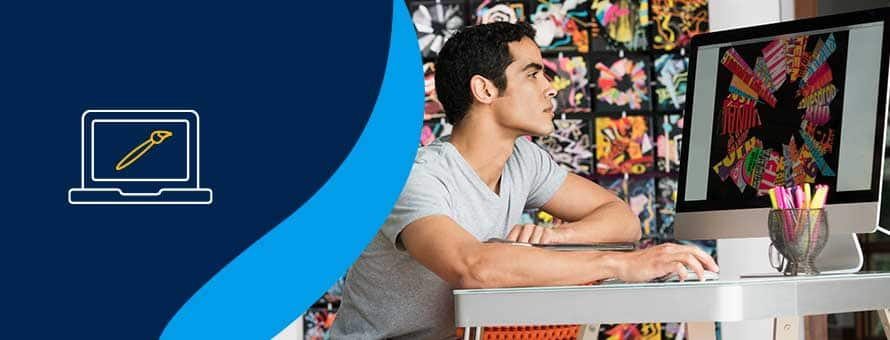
column 526, row 104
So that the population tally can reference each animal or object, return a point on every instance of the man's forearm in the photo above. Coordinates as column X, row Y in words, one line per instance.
column 502, row 265
column 611, row 222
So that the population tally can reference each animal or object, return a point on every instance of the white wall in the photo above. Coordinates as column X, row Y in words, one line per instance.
column 727, row 14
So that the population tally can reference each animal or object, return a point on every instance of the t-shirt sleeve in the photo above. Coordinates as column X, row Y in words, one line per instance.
column 424, row 195
column 545, row 176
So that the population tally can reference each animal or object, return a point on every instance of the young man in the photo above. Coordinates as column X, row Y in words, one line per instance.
column 475, row 186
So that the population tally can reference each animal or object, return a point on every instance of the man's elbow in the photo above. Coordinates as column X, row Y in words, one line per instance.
column 634, row 233
column 476, row 273
column 632, row 229
column 631, row 232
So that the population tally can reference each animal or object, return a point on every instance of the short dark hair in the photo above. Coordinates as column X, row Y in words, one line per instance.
column 475, row 50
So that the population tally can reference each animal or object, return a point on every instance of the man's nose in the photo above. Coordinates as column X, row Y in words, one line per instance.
column 550, row 91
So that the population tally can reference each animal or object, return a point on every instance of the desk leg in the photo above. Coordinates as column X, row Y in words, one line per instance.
column 476, row 331
column 786, row 328
column 703, row 330
column 815, row 327
column 589, row 332
column 884, row 314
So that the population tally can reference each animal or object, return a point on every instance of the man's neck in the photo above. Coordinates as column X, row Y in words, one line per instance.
column 485, row 146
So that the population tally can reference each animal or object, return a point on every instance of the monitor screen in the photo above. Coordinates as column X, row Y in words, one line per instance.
column 140, row 150
column 785, row 109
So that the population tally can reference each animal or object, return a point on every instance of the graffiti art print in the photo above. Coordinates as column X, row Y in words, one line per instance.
column 668, row 139
column 599, row 41
column 639, row 194
column 433, row 130
column 623, row 23
column 570, row 145
column 317, row 323
column 623, row 145
column 436, row 22
column 778, row 115
column 621, row 83
column 568, row 75
column 670, row 82
column 675, row 22
column 633, row 331
column 561, row 25
column 488, row 11
column 665, row 205
column 432, row 108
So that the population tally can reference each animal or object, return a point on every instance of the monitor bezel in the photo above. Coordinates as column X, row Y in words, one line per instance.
column 790, row 28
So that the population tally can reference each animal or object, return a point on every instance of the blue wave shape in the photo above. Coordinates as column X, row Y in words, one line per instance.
column 266, row 287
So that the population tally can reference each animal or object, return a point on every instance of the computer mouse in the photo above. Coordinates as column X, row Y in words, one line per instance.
column 690, row 276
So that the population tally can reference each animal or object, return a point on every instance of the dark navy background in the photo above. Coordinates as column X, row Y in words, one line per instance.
column 283, row 90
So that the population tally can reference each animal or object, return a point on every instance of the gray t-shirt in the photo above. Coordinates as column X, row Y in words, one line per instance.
column 388, row 294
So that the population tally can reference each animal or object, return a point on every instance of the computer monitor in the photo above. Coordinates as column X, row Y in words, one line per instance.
column 784, row 104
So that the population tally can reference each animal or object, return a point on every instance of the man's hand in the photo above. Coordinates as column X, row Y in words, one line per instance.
column 530, row 233
column 651, row 263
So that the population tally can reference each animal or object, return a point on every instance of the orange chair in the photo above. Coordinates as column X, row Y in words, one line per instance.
column 560, row 332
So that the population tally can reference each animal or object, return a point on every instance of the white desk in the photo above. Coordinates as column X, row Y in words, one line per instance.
column 746, row 299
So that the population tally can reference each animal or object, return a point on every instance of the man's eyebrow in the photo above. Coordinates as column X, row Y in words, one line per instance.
column 533, row 66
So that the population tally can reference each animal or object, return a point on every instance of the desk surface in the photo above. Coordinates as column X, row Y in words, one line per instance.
column 745, row 299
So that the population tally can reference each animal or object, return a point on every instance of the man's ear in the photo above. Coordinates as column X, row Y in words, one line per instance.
column 483, row 89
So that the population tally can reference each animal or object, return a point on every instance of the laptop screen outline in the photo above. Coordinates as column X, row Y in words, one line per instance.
column 188, row 155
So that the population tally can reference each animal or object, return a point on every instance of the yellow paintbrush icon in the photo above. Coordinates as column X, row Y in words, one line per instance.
column 156, row 137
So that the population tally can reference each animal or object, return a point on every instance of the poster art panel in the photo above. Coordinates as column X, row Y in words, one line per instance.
column 561, row 25
column 570, row 145
column 623, row 23
column 621, row 82
column 675, row 22
column 665, row 205
column 435, row 23
column 623, row 145
column 643, row 331
column 488, row 11
column 317, row 323
column 668, row 141
column 433, row 130
column 432, row 108
column 639, row 194
column 670, row 75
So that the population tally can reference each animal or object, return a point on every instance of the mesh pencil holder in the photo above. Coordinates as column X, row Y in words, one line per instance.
column 799, row 236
